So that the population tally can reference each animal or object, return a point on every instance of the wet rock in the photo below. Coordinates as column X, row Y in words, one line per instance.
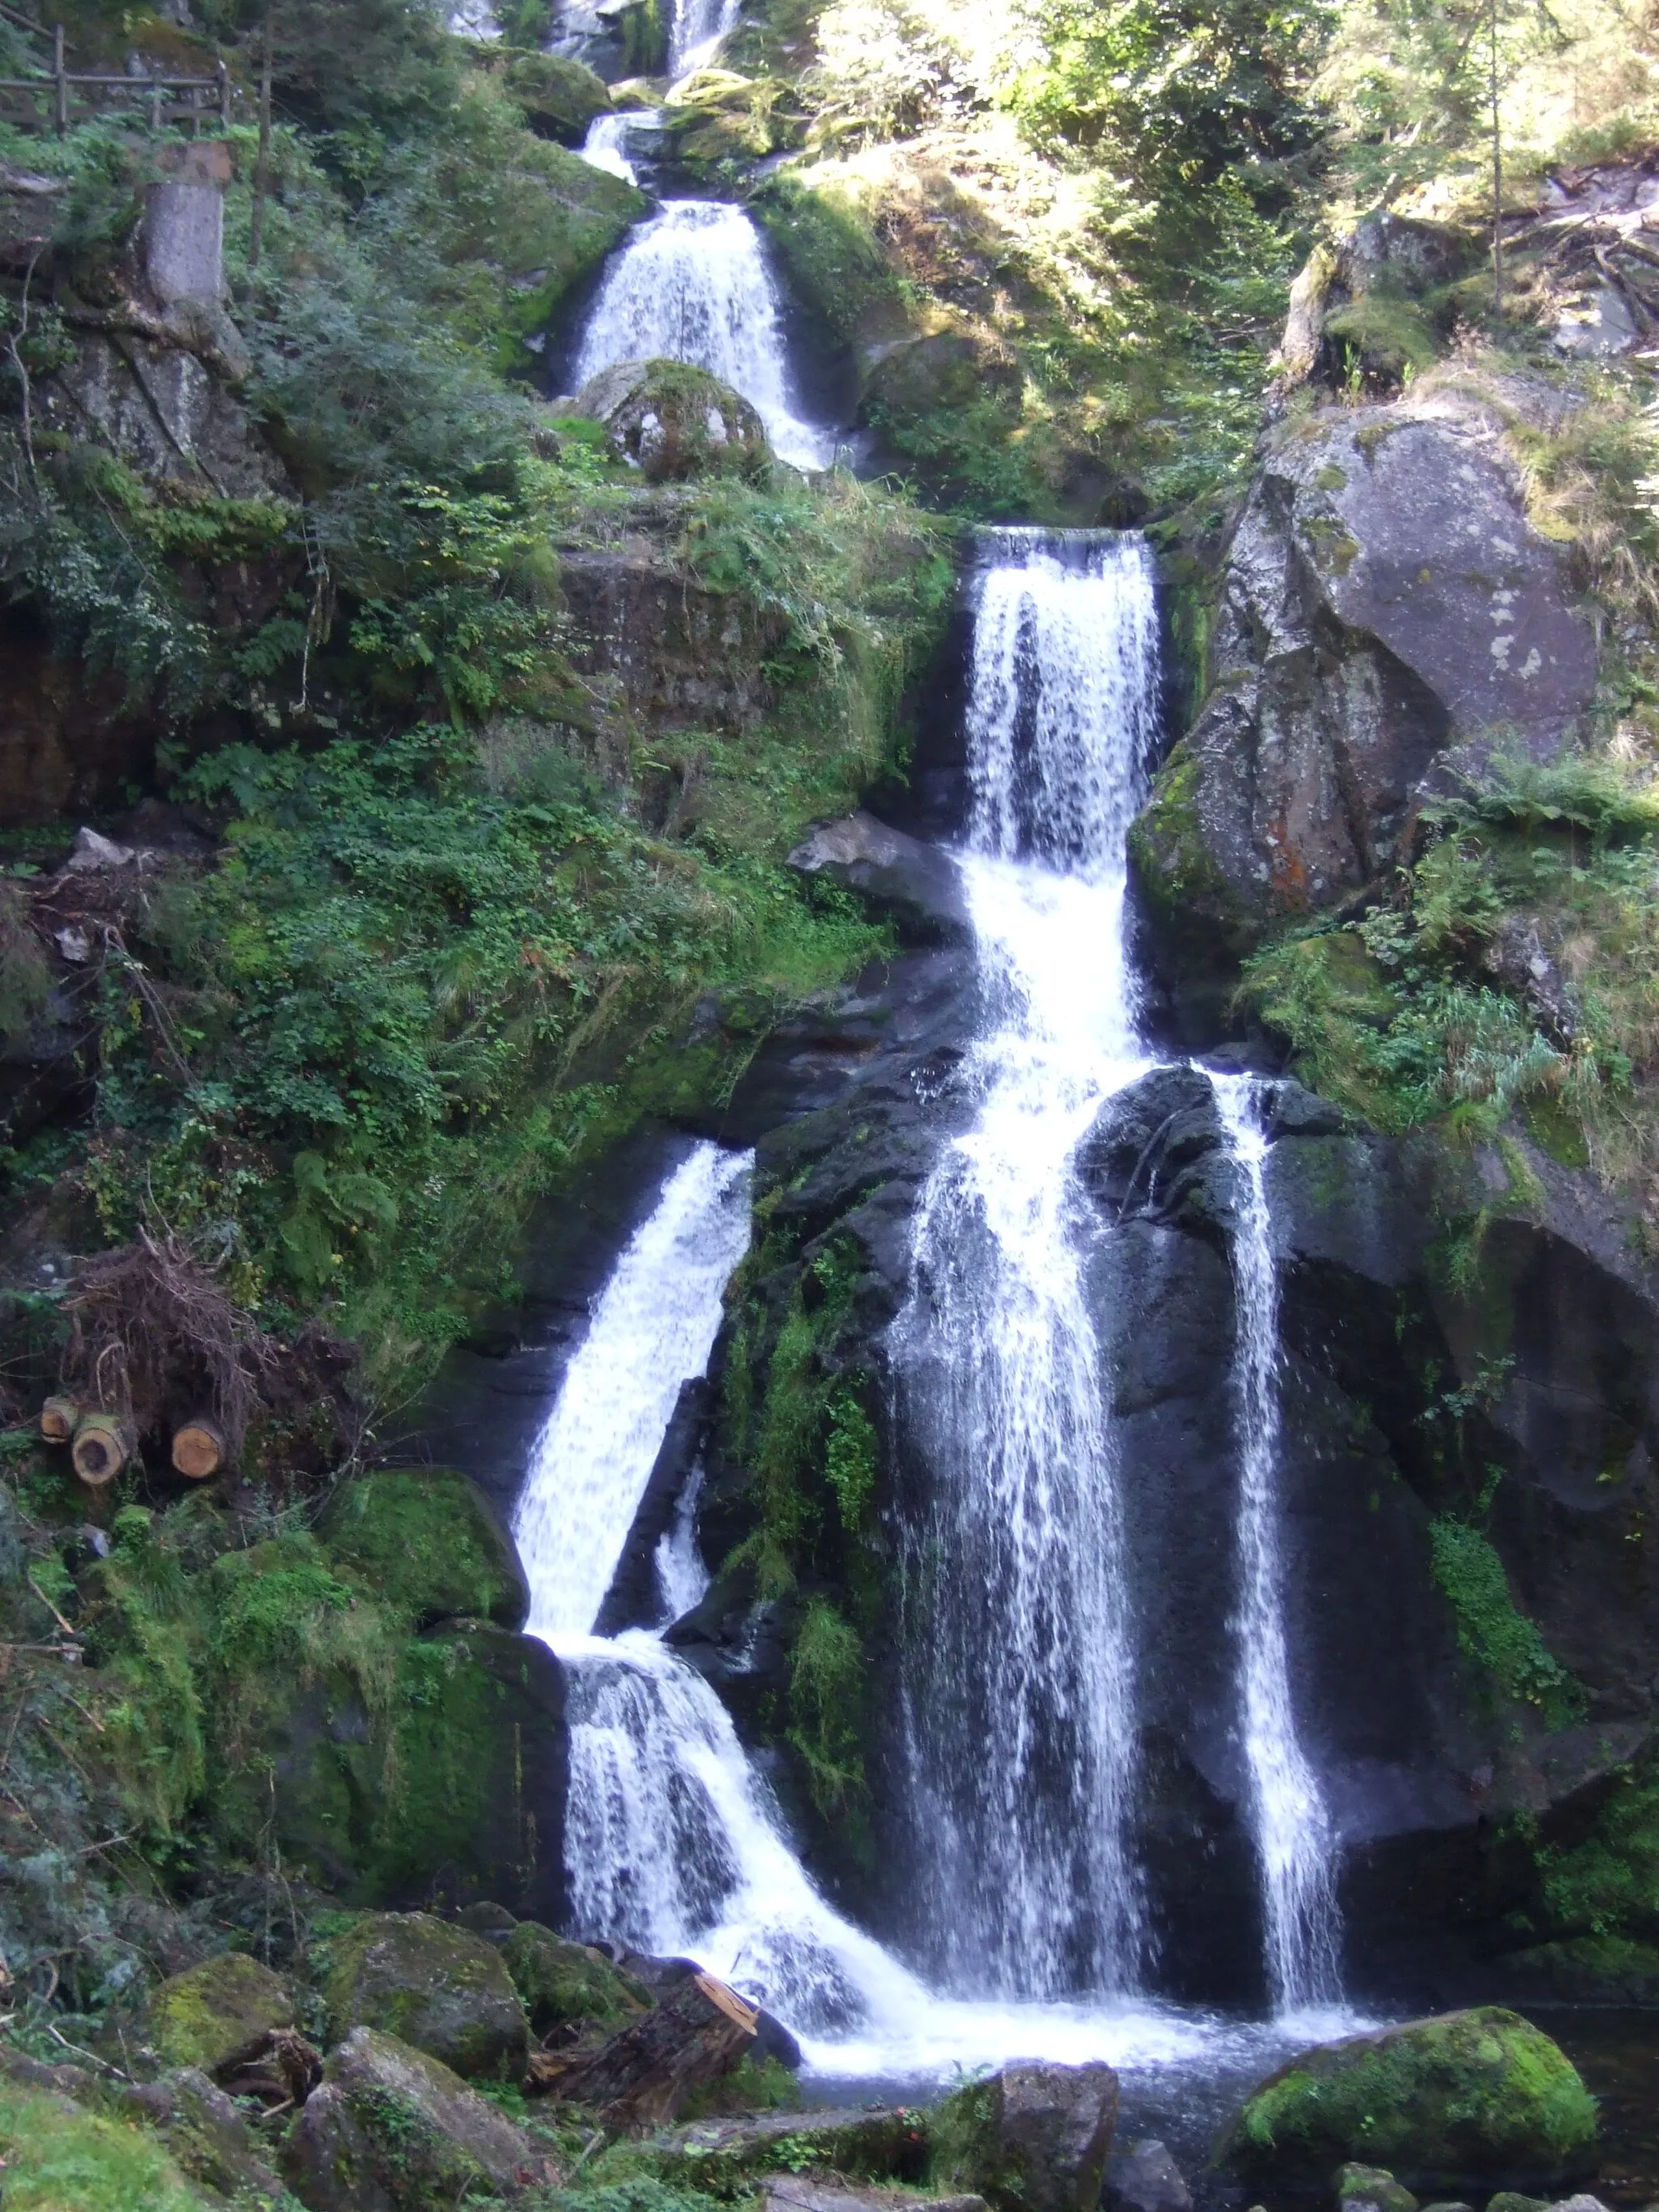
column 1593, row 1970
column 675, row 421
column 560, row 97
column 1386, row 599
column 392, row 2129
column 1145, row 2177
column 916, row 885
column 565, row 1985
column 794, row 2192
column 439, row 1987
column 205, row 2133
column 1371, row 2189
column 1033, row 2138
column 427, row 1540
column 844, row 2144
column 216, row 2013
column 1479, row 2099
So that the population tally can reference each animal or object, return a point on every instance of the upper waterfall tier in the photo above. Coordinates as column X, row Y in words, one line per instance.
column 691, row 284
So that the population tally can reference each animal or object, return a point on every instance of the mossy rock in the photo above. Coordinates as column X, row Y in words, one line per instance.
column 716, row 125
column 560, row 97
column 832, row 259
column 564, row 1984
column 942, row 372
column 1478, row 2099
column 437, row 1987
column 427, row 1544
column 674, row 422
column 210, row 2015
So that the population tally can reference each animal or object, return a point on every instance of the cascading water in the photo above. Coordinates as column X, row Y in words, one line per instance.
column 608, row 144
column 1294, row 1839
column 1018, row 1677
column 700, row 28
column 692, row 285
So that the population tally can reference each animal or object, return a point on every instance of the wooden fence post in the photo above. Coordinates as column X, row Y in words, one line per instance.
column 61, row 76
column 224, row 92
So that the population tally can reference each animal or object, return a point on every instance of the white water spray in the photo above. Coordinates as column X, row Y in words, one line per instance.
column 608, row 144
column 1019, row 1675
column 692, row 285
column 655, row 1325
column 1296, row 1846
column 699, row 29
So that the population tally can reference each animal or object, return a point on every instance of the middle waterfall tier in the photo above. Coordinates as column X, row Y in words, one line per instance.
column 692, row 284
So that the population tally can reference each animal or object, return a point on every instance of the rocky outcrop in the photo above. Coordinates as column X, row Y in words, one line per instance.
column 426, row 1540
column 439, row 1987
column 913, row 884
column 1386, row 603
column 1479, row 2100
column 218, row 2013
column 392, row 2130
column 1032, row 2138
column 673, row 422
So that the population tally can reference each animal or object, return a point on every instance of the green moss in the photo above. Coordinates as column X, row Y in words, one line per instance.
column 559, row 97
column 829, row 1684
column 562, row 1983
column 58, row 2161
column 833, row 260
column 1492, row 1629
column 1171, row 855
column 1607, row 1884
column 850, row 1462
column 1471, row 2098
column 205, row 2016
column 427, row 1544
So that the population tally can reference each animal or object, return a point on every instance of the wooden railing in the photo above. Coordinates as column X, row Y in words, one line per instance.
column 54, row 100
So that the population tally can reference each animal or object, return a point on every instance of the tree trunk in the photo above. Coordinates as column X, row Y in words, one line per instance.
column 640, row 2079
column 103, row 1445
column 57, row 1418
column 199, row 1447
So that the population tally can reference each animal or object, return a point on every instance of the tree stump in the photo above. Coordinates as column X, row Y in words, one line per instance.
column 59, row 1417
column 199, row 1449
column 103, row 1445
column 698, row 2031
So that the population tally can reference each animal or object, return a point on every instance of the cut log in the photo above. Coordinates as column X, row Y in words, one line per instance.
column 640, row 2079
column 57, row 1418
column 102, row 1447
column 199, row 1449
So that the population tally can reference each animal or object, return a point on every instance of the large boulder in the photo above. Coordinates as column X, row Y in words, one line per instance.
column 1478, row 2099
column 916, row 885
column 564, row 1985
column 392, row 2130
column 206, row 2134
column 218, row 2013
column 1033, row 2138
column 1386, row 599
column 674, row 422
column 560, row 97
column 433, row 1984
column 425, row 1540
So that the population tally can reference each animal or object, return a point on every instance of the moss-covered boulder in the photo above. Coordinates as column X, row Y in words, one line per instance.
column 205, row 2134
column 560, row 97
column 1033, row 2138
column 218, row 2012
column 58, row 2156
column 392, row 2129
column 564, row 1985
column 426, row 1542
column 434, row 1985
column 674, row 422
column 718, row 125
column 1478, row 2099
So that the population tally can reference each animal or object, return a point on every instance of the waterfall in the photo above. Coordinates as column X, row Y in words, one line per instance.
column 655, row 1323
column 700, row 28
column 608, row 143
column 1294, row 1840
column 1018, row 1690
column 692, row 285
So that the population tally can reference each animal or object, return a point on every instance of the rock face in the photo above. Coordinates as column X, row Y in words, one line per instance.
column 1479, row 2099
column 914, row 883
column 205, row 2133
column 394, row 2131
column 426, row 1538
column 439, row 1987
column 218, row 2012
column 1144, row 2178
column 1034, row 2138
column 1385, row 599
column 675, row 421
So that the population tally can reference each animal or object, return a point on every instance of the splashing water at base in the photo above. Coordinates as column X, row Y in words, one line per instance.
column 692, row 285
column 1296, row 1846
column 1018, row 1692
column 699, row 29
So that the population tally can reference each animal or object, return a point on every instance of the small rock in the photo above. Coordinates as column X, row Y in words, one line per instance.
column 440, row 1988
column 74, row 944
column 219, row 2013
column 392, row 2129
column 1034, row 2138
column 1370, row 2189
column 1511, row 2200
column 1145, row 2177
column 494, row 1922
column 672, row 420
column 93, row 853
